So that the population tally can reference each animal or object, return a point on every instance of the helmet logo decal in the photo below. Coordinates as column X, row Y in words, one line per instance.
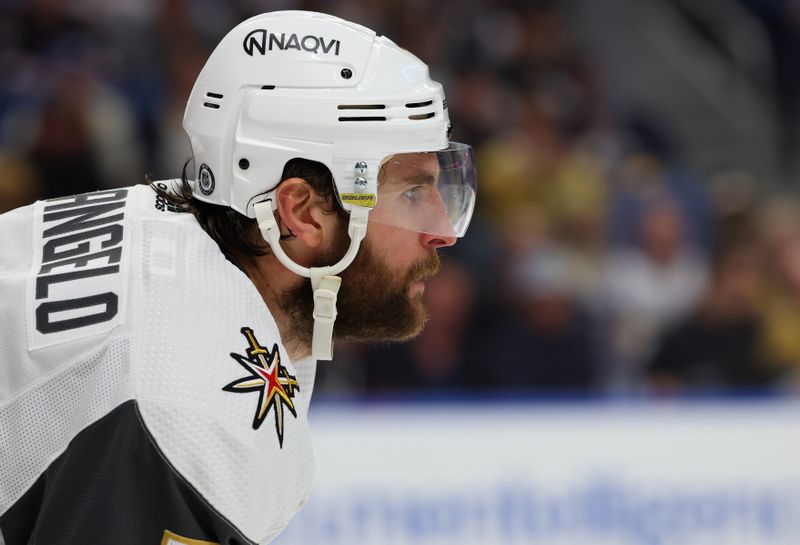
column 366, row 200
column 261, row 41
column 205, row 180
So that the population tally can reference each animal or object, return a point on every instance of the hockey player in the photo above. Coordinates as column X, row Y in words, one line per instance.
column 156, row 365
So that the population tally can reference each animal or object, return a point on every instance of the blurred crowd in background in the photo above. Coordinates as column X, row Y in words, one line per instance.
column 625, row 242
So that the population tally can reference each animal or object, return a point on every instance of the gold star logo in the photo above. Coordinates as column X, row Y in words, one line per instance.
column 276, row 387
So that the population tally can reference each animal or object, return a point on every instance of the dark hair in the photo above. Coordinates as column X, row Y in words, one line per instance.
column 234, row 231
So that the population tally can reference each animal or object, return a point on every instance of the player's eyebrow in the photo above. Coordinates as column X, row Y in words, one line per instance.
column 422, row 178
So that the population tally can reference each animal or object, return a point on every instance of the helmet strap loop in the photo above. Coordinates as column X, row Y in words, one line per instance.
column 324, row 280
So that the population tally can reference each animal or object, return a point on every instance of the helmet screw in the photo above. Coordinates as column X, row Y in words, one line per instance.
column 244, row 164
column 347, row 73
column 361, row 184
column 361, row 167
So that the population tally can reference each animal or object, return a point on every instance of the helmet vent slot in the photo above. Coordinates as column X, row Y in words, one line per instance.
column 361, row 106
column 363, row 118
column 212, row 96
column 422, row 116
column 419, row 104
column 267, row 87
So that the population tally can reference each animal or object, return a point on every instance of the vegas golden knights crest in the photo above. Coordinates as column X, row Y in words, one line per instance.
column 267, row 376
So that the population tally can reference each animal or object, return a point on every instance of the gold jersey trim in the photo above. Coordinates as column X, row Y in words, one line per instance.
column 171, row 538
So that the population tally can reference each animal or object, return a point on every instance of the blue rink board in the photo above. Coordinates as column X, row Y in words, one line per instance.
column 706, row 470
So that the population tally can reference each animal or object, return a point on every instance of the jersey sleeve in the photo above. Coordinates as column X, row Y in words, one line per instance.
column 113, row 485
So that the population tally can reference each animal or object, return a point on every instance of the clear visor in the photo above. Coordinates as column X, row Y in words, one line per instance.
column 428, row 192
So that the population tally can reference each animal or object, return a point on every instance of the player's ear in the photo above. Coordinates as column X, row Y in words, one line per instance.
column 301, row 211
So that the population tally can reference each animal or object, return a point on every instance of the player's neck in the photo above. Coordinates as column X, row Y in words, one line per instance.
column 273, row 281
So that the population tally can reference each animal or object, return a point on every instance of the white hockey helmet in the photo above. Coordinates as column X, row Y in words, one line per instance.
column 296, row 84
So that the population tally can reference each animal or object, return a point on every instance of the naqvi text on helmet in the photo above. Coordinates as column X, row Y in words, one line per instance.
column 261, row 41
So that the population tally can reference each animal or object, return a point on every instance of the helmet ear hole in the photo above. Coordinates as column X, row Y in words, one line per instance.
column 244, row 164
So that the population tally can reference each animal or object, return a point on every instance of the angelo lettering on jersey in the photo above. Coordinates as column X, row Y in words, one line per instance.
column 78, row 282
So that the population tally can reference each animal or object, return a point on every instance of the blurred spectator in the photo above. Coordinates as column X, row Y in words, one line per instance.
column 717, row 346
column 534, row 165
column 83, row 136
column 62, row 147
column 78, row 130
column 18, row 182
column 643, row 176
column 545, row 342
column 650, row 287
column 780, row 229
column 577, row 175
column 183, row 64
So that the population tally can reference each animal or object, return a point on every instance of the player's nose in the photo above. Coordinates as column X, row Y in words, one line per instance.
column 437, row 241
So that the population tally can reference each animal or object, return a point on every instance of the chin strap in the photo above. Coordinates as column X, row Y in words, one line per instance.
column 324, row 280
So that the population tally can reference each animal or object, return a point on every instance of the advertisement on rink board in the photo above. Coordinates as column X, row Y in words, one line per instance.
column 627, row 473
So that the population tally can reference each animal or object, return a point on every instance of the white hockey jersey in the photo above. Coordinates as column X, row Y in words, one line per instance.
column 145, row 395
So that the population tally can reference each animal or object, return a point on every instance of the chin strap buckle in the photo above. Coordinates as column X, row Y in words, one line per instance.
column 326, row 288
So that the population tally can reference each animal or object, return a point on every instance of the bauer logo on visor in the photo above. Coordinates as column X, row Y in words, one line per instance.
column 428, row 192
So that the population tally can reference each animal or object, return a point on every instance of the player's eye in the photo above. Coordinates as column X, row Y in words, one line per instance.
column 415, row 195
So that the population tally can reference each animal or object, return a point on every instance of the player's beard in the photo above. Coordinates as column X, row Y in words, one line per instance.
column 373, row 302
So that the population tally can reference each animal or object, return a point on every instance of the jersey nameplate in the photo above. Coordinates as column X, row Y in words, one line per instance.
column 77, row 288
